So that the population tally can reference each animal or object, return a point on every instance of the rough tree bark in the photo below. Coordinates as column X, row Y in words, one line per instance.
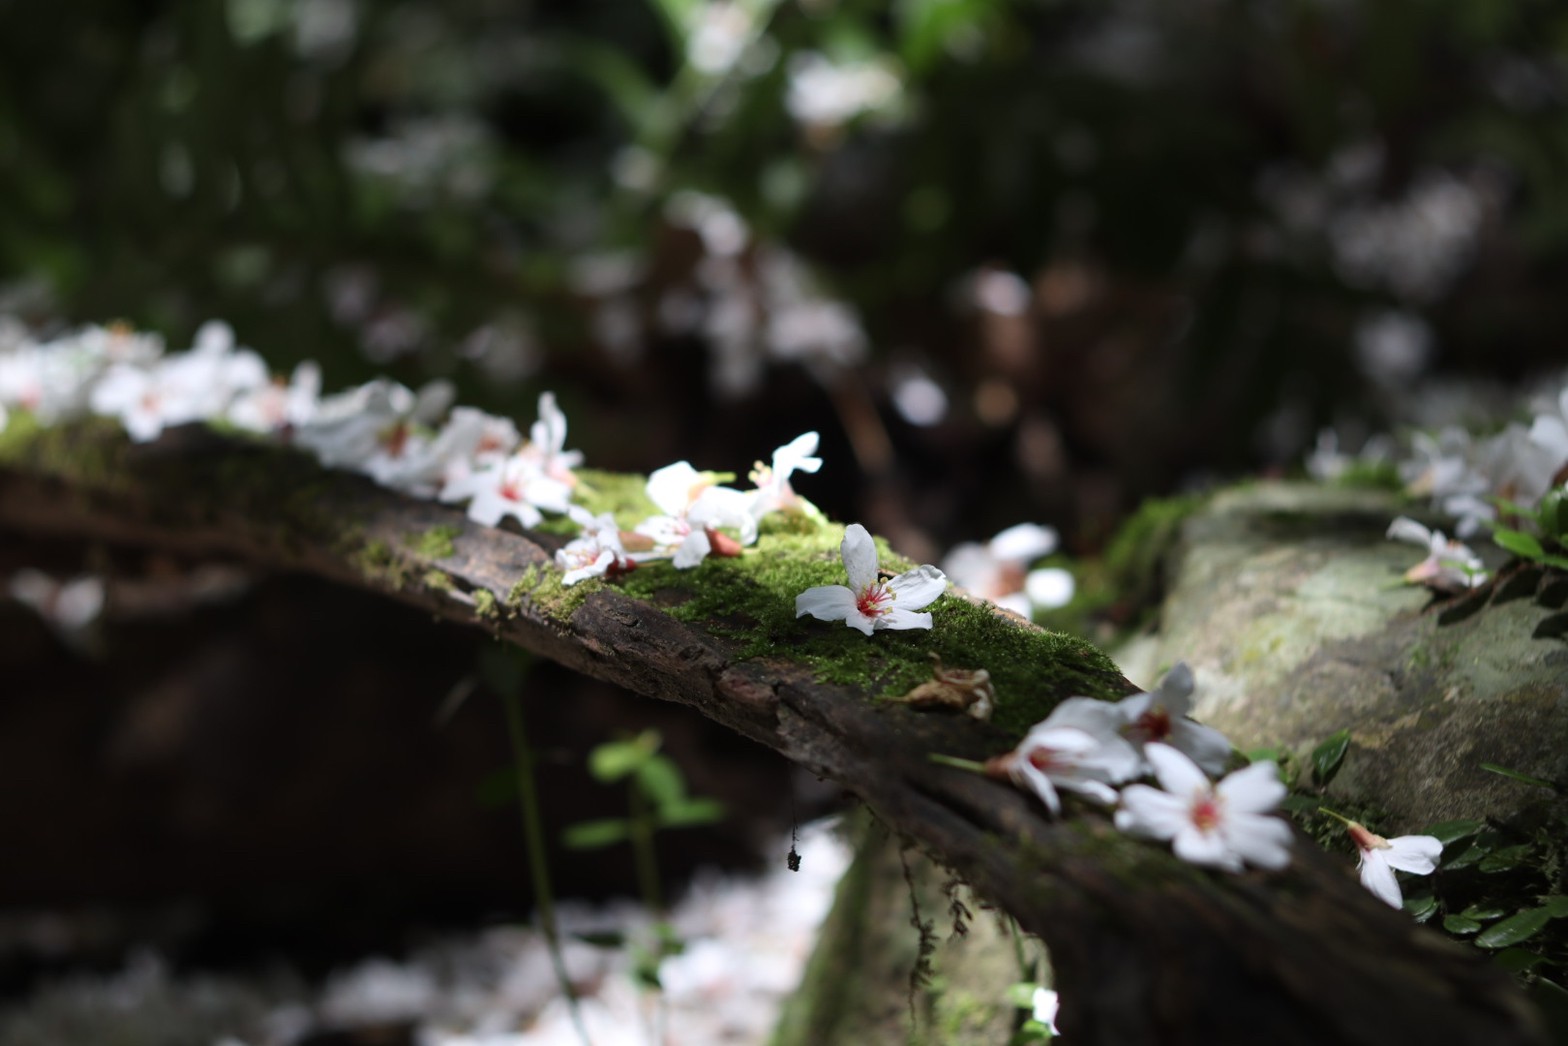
column 1146, row 949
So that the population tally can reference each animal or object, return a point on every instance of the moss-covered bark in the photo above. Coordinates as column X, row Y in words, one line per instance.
column 1146, row 949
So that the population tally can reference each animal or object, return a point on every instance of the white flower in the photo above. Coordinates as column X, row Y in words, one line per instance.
column 469, row 439
column 1549, row 431
column 72, row 604
column 514, row 487
column 70, row 607
column 547, row 443
column 1160, row 716
column 276, row 406
column 869, row 603
column 1417, row 854
column 598, row 550
column 999, row 570
column 50, row 381
column 1219, row 826
column 1450, row 566
column 828, row 94
column 1046, row 1003
column 375, row 428
column 1075, row 747
column 694, row 508
column 178, row 389
column 774, row 493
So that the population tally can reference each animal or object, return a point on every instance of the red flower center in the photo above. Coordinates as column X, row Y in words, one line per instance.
column 1153, row 725
column 1206, row 813
column 870, row 600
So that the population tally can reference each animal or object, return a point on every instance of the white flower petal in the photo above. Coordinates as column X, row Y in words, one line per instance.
column 797, row 456
column 1204, row 745
column 1176, row 689
column 1150, row 812
column 899, row 618
column 917, row 588
column 1017, row 602
column 1254, row 789
column 1261, row 841
column 860, row 557
column 1050, row 587
column 693, row 550
column 826, row 603
column 1096, row 790
column 1030, row 776
column 1406, row 529
column 1417, row 854
column 1208, row 849
column 1023, row 543
column 1377, row 876
column 1177, row 774
column 674, row 487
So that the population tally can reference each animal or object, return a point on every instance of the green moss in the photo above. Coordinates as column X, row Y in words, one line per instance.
column 486, row 606
column 90, row 451
column 1371, row 475
column 1134, row 556
column 377, row 562
column 751, row 599
column 438, row 579
column 962, row 1016
column 622, row 495
column 437, row 542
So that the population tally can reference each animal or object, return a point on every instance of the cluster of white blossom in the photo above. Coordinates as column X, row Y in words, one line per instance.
column 999, row 570
column 1095, row 747
column 1465, row 477
column 412, row 441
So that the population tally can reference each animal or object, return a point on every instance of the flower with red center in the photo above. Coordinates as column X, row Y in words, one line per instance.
column 512, row 487
column 1224, row 825
column 1156, row 717
column 1053, row 756
column 1379, row 857
column 870, row 603
column 1449, row 566
column 1160, row 717
column 693, row 508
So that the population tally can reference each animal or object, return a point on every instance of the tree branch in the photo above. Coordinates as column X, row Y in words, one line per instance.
column 1146, row 948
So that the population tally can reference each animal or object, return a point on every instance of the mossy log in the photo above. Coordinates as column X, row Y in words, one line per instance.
column 1146, row 949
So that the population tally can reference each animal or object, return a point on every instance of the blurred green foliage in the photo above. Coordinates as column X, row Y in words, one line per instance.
column 1234, row 185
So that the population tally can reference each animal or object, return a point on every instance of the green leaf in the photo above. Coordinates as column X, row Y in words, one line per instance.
column 1514, row 929
column 1506, row 858
column 660, row 780
column 595, row 835
column 1557, row 905
column 1421, row 907
column 1517, row 776
column 1518, row 960
column 1463, row 856
column 1327, row 757
column 1519, row 543
column 690, row 812
column 1447, row 832
column 1275, row 755
column 613, row 760
column 1021, row 994
column 1560, row 562
column 1460, row 926
column 1484, row 915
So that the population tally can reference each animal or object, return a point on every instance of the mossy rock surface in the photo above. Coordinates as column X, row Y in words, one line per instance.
column 1287, row 601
